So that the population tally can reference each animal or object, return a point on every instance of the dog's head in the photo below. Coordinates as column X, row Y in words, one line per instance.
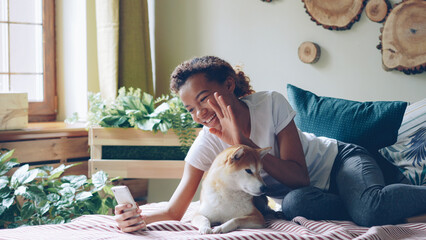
column 241, row 167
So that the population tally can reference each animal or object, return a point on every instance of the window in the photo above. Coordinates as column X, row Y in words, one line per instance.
column 27, row 54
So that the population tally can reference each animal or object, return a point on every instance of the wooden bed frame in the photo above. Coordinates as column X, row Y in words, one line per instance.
column 146, row 169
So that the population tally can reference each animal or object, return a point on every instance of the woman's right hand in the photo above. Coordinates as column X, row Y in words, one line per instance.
column 129, row 221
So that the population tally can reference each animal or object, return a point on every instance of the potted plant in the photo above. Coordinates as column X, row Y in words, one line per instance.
column 43, row 196
column 133, row 108
column 124, row 131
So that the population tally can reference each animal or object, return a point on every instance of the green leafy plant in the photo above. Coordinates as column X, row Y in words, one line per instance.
column 134, row 108
column 180, row 121
column 41, row 196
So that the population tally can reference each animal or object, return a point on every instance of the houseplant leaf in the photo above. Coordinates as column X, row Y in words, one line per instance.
column 28, row 209
column 53, row 197
column 44, row 208
column 147, row 124
column 3, row 183
column 6, row 166
column 5, row 156
column 83, row 196
column 21, row 190
column 99, row 180
column 2, row 209
column 19, row 176
column 148, row 102
column 7, row 202
column 75, row 181
column 31, row 175
column 55, row 173
column 34, row 193
column 4, row 192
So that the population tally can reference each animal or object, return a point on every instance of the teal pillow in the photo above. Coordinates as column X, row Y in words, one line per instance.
column 373, row 125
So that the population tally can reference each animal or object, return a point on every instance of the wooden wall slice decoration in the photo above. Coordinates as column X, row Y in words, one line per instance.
column 334, row 14
column 377, row 10
column 309, row 52
column 403, row 37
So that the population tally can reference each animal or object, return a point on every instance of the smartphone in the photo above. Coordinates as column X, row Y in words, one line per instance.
column 123, row 196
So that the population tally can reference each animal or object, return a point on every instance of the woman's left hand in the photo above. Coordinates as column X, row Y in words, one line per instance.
column 230, row 131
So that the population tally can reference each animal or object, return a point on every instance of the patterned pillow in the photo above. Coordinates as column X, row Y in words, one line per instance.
column 409, row 152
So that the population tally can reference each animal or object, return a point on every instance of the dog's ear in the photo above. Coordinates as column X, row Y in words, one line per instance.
column 237, row 154
column 263, row 151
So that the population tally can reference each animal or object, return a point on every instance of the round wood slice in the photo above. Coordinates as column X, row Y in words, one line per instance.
column 334, row 14
column 404, row 37
column 376, row 10
column 309, row 52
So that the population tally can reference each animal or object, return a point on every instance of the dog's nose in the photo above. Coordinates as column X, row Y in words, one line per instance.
column 263, row 188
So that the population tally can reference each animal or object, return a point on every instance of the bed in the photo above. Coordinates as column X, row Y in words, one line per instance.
column 104, row 227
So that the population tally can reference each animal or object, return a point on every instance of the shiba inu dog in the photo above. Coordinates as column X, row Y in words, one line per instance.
column 228, row 190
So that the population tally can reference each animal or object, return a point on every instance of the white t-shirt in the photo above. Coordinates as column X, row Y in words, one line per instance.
column 269, row 114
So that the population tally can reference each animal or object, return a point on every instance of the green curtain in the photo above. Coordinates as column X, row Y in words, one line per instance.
column 124, row 55
column 134, row 60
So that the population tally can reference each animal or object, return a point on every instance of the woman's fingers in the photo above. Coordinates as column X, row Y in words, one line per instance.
column 132, row 224
column 127, row 215
column 222, row 104
column 129, row 221
column 216, row 108
column 216, row 132
column 230, row 112
column 119, row 209
column 134, row 228
column 134, row 221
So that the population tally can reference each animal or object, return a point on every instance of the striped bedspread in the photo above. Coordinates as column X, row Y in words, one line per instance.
column 104, row 227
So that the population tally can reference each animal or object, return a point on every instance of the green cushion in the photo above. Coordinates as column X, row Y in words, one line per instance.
column 373, row 125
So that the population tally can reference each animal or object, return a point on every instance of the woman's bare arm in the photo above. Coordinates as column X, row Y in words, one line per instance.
column 175, row 210
column 181, row 198
column 290, row 168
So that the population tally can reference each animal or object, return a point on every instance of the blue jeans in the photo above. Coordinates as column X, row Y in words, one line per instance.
column 357, row 192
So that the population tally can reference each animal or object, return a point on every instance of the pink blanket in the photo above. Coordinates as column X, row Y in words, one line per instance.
column 104, row 227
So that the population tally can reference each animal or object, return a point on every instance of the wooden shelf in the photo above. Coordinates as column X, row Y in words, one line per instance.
column 143, row 169
column 44, row 130
column 49, row 143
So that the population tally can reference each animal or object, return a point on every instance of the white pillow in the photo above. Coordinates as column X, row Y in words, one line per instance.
column 409, row 152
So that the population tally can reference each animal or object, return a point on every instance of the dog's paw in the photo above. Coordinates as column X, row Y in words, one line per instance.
column 225, row 228
column 222, row 229
column 217, row 230
column 205, row 230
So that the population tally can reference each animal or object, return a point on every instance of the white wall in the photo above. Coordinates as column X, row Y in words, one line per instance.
column 265, row 38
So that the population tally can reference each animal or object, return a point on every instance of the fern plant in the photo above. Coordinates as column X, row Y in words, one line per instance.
column 179, row 119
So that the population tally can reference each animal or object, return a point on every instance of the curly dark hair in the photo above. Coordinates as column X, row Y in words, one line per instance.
column 215, row 69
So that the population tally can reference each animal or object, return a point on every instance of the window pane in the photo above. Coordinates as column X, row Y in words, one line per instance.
column 3, row 10
column 4, row 49
column 4, row 83
column 28, row 11
column 32, row 84
column 26, row 48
